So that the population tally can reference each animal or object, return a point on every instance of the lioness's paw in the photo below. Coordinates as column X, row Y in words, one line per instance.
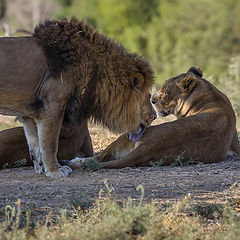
column 63, row 171
column 88, row 164
column 77, row 162
column 74, row 163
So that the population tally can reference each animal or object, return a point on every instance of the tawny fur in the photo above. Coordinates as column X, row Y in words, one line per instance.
column 205, row 130
column 73, row 141
column 106, row 74
column 68, row 73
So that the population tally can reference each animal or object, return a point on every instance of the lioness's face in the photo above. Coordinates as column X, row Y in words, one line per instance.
column 169, row 99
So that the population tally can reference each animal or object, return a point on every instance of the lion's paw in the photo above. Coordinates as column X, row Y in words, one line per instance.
column 38, row 167
column 37, row 162
column 63, row 171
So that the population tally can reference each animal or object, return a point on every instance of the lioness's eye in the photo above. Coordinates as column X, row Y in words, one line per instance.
column 167, row 92
column 166, row 97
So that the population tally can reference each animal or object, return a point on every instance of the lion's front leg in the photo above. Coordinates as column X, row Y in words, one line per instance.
column 48, row 134
column 30, row 131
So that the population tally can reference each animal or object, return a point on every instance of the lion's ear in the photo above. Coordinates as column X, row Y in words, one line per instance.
column 188, row 83
column 137, row 81
column 195, row 70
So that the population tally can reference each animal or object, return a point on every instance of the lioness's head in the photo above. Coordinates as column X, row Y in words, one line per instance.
column 171, row 98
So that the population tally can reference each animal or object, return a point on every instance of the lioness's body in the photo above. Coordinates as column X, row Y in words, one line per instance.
column 73, row 141
column 205, row 130
column 68, row 73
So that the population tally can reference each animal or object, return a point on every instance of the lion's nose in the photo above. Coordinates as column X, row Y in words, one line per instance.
column 154, row 101
column 154, row 116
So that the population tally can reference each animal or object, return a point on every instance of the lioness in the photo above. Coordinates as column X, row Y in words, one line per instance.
column 68, row 73
column 204, row 131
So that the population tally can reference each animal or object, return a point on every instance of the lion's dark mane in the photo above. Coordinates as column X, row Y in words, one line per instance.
column 66, row 43
column 100, row 68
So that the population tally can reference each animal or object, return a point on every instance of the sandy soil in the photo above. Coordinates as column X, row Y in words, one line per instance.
column 205, row 182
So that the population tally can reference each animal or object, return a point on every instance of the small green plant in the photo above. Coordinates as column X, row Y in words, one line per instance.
column 80, row 201
column 28, row 218
column 208, row 210
column 181, row 161
column 230, row 192
column 91, row 165
column 192, row 161
column 178, row 161
column 141, row 189
column 17, row 164
column 156, row 164
column 20, row 163
column 5, row 165
column 10, row 214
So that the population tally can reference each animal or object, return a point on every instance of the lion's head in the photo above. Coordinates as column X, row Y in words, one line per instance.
column 110, row 84
column 128, row 106
column 148, row 114
column 171, row 98
column 121, row 90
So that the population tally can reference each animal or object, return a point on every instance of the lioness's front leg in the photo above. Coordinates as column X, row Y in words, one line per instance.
column 79, row 162
column 118, row 149
column 48, row 134
column 30, row 131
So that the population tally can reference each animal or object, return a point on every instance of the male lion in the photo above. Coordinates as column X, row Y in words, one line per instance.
column 66, row 72
column 204, row 131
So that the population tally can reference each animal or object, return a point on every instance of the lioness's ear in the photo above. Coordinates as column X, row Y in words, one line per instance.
column 137, row 81
column 196, row 70
column 188, row 83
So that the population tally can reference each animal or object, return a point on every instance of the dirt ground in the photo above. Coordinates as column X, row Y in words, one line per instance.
column 205, row 182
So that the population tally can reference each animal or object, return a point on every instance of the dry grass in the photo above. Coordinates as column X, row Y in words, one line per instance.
column 7, row 122
column 111, row 219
